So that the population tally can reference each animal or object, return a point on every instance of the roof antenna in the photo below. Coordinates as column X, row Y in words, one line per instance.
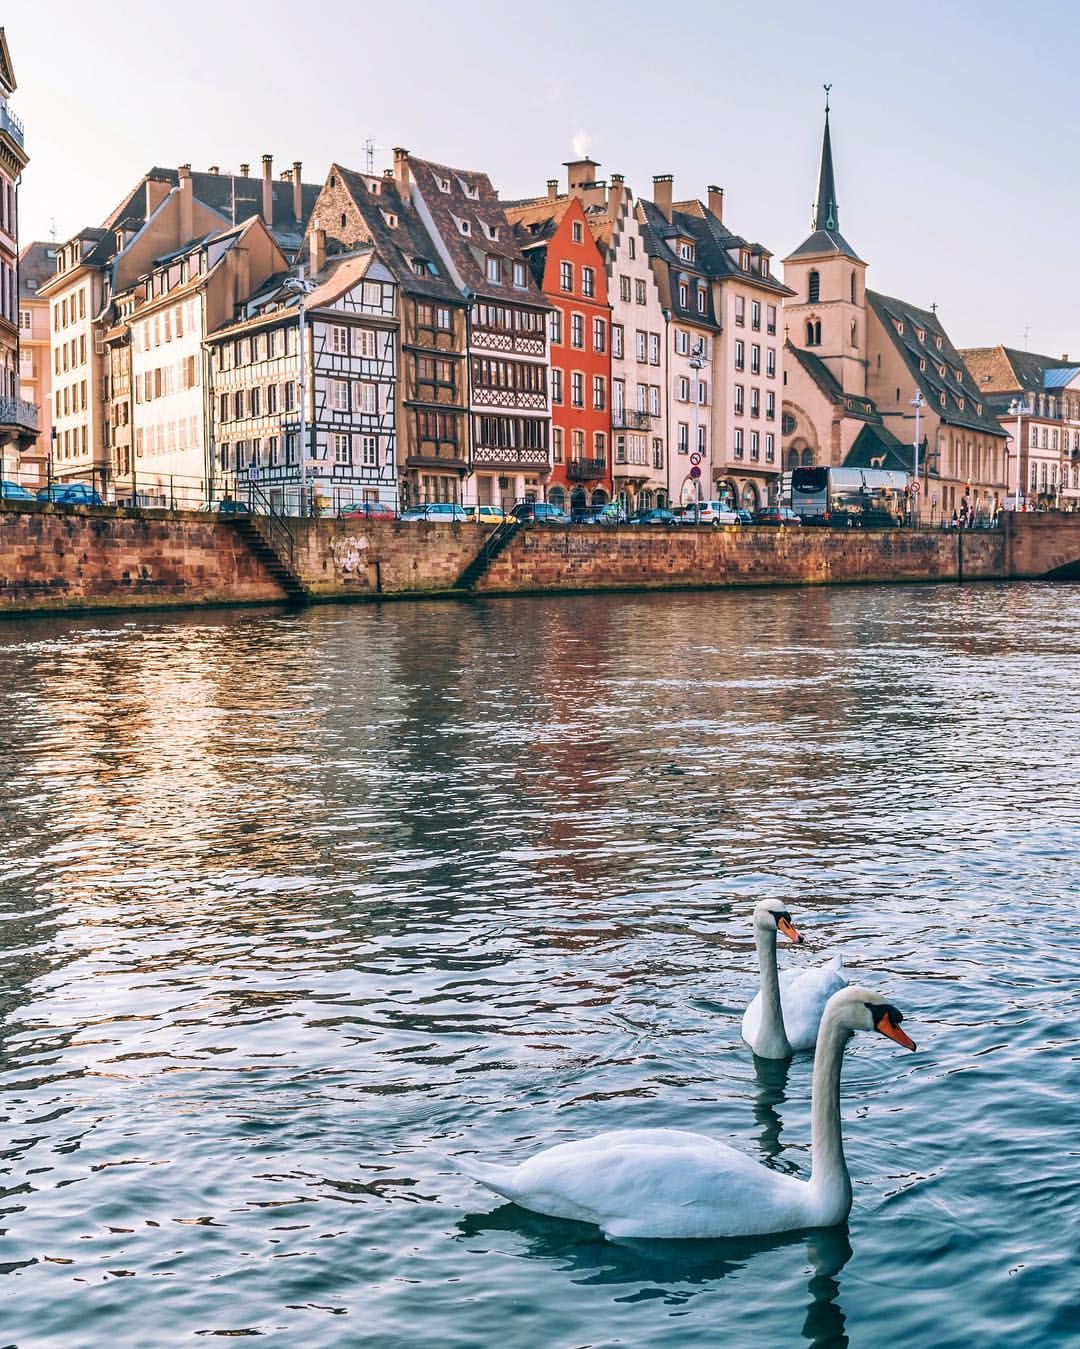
column 369, row 154
column 52, row 230
column 1026, row 332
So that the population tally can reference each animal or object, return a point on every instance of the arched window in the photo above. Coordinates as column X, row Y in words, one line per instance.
column 854, row 334
column 807, row 458
column 853, row 300
column 793, row 459
column 813, row 293
column 813, row 332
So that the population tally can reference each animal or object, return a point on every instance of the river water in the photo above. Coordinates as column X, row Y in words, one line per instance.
column 298, row 907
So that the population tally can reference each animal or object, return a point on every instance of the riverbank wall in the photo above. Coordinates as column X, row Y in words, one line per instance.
column 63, row 559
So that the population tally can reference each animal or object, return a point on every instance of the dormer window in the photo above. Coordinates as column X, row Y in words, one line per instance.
column 744, row 260
column 941, row 371
column 374, row 186
column 391, row 219
column 494, row 270
column 959, row 376
column 519, row 275
column 899, row 327
column 960, row 404
column 978, row 408
column 576, row 232
column 941, row 399
column 937, row 341
column 920, row 333
column 493, row 231
column 443, row 184
column 764, row 266
column 922, row 362
column 686, row 251
column 464, row 227
column 470, row 191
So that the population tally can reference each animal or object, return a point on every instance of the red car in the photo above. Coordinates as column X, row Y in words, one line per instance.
column 368, row 510
column 776, row 515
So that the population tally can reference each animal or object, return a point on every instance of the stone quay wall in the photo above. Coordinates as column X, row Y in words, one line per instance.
column 580, row 558
column 58, row 558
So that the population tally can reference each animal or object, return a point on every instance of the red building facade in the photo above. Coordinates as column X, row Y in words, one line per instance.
column 564, row 258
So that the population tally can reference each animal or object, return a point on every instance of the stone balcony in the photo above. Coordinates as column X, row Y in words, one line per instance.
column 18, row 421
column 628, row 419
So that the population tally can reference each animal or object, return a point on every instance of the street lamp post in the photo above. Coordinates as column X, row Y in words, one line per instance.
column 918, row 403
column 301, row 287
column 697, row 363
column 1019, row 409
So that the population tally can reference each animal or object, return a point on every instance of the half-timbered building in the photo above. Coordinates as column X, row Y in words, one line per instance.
column 432, row 386
column 509, row 407
column 348, row 383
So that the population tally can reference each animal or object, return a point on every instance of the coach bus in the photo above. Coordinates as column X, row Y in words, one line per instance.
column 855, row 497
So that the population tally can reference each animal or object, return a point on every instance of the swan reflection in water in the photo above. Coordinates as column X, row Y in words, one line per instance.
column 676, row 1271
column 771, row 1092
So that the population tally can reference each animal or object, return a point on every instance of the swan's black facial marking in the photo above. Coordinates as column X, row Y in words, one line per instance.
column 887, row 1019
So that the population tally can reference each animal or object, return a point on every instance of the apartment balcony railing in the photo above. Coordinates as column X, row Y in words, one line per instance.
column 18, row 413
column 627, row 419
column 11, row 124
column 585, row 470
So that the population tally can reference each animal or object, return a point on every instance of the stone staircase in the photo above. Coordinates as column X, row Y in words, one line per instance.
column 499, row 539
column 268, row 538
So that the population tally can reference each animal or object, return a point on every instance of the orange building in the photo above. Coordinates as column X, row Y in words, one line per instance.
column 555, row 237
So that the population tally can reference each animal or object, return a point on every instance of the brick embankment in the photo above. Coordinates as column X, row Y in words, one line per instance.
column 103, row 558
column 542, row 559
column 363, row 559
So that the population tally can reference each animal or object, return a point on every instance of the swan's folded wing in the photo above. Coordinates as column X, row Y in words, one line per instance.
column 803, row 995
column 658, row 1183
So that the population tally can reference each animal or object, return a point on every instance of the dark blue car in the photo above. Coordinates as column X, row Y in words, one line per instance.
column 71, row 494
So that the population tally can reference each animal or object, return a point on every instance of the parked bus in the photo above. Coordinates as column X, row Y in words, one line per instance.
column 854, row 497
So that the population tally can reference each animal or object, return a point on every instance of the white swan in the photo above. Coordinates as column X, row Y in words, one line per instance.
column 671, row 1183
column 784, row 1016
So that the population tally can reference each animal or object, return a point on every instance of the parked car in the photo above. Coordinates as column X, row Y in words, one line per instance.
column 708, row 513
column 659, row 515
column 11, row 491
column 487, row 515
column 228, row 506
column 540, row 512
column 776, row 515
column 745, row 517
column 445, row 512
column 71, row 494
column 609, row 514
column 368, row 510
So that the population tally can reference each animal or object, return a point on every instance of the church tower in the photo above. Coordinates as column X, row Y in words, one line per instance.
column 827, row 314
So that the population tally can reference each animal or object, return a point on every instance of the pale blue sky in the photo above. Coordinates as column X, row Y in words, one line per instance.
column 953, row 123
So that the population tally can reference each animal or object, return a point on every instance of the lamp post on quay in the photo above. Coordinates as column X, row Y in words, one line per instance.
column 297, row 285
column 1019, row 409
column 918, row 403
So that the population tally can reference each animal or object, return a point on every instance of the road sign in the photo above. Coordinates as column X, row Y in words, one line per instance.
column 916, row 488
column 695, row 459
column 695, row 472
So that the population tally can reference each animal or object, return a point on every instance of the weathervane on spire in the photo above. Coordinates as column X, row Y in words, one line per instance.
column 828, row 89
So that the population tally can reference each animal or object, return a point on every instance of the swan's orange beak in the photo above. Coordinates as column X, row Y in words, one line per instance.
column 787, row 927
column 887, row 1026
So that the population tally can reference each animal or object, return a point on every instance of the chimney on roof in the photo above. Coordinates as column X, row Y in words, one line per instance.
column 1064, row 355
column 552, row 188
column 215, row 169
column 663, row 187
column 244, row 170
column 716, row 201
column 297, row 192
column 317, row 250
column 268, row 189
column 157, row 189
column 187, row 205
column 401, row 172
column 615, row 196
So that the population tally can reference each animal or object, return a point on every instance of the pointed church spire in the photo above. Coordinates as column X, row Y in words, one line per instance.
column 826, row 212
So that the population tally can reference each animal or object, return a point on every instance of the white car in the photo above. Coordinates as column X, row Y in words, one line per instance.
column 708, row 513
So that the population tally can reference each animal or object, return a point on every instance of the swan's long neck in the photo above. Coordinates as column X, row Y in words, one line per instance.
column 772, row 1041
column 828, row 1170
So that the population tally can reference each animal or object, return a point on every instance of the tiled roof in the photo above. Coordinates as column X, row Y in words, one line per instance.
column 1005, row 370
column 472, row 226
column 916, row 334
column 876, row 447
column 825, row 241
column 401, row 246
column 860, row 408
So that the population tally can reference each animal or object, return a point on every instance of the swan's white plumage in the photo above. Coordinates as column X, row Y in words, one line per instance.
column 670, row 1183
column 654, row 1183
column 803, row 995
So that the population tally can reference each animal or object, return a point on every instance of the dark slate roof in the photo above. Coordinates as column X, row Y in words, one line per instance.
column 233, row 196
column 480, row 207
column 876, row 447
column 924, row 350
column 854, row 406
column 713, row 244
column 37, row 264
column 400, row 245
